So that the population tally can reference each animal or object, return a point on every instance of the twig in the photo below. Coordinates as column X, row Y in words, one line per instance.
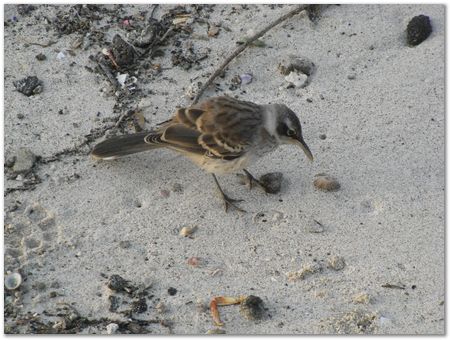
column 242, row 47
column 50, row 43
column 155, row 6
column 390, row 285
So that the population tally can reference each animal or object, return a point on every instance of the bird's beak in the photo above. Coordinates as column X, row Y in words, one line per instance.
column 305, row 148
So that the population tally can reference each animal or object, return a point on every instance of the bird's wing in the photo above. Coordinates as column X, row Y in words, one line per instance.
column 223, row 126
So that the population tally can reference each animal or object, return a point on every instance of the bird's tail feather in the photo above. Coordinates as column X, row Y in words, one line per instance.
column 119, row 146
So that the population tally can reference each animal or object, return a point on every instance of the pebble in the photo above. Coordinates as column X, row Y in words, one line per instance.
column 193, row 261
column 112, row 328
column 24, row 161
column 172, row 291
column 41, row 57
column 336, row 262
column 60, row 56
column 139, row 306
column 9, row 162
column 418, row 29
column 314, row 227
column 124, row 244
column 297, row 79
column 271, row 182
column 326, row 183
column 246, row 78
column 252, row 308
column 160, row 308
column 117, row 283
column 28, row 86
column 187, row 231
column 323, row 136
column 351, row 76
column 301, row 64
column 13, row 281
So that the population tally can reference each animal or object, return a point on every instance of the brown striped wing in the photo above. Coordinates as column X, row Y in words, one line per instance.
column 223, row 126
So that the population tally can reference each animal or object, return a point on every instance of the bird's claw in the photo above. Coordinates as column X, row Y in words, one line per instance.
column 231, row 202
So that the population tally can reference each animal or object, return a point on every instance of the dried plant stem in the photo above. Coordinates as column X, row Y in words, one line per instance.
column 242, row 47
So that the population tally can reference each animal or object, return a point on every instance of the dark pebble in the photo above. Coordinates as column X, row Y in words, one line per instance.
column 323, row 136
column 172, row 291
column 41, row 57
column 114, row 303
column 117, row 283
column 418, row 29
column 20, row 116
column 271, row 182
column 28, row 86
column 139, row 306
column 252, row 308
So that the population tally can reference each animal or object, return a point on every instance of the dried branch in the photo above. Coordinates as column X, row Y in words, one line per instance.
column 242, row 47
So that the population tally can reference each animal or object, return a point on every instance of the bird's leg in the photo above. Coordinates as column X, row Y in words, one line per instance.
column 252, row 180
column 228, row 201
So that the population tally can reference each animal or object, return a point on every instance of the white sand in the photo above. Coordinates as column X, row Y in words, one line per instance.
column 385, row 145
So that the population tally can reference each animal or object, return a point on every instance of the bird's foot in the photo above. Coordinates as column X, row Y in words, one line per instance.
column 230, row 202
column 252, row 180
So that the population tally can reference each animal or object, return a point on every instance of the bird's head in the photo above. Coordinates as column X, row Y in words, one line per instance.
column 289, row 130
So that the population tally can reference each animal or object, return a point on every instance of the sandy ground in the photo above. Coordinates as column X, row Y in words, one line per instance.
column 380, row 104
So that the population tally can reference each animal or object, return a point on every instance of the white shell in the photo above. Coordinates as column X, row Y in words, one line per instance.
column 13, row 281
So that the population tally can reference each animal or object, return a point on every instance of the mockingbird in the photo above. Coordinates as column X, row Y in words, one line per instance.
column 220, row 135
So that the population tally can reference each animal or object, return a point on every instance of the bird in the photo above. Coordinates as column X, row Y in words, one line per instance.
column 220, row 135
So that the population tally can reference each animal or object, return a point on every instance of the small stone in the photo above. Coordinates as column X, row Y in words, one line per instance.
column 418, row 29
column 41, row 57
column 60, row 56
column 172, row 291
column 252, row 308
column 124, row 244
column 300, row 64
column 187, row 231
column 314, row 227
column 323, row 136
column 297, row 79
column 52, row 294
column 361, row 298
column 246, row 78
column 160, row 308
column 20, row 116
column 9, row 162
column 139, row 306
column 336, row 262
column 19, row 178
column 112, row 328
column 193, row 261
column 28, row 86
column 271, row 182
column 24, row 161
column 213, row 31
column 351, row 76
column 117, row 283
column 13, row 281
column 326, row 183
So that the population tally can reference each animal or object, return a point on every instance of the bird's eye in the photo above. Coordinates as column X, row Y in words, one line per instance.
column 290, row 133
